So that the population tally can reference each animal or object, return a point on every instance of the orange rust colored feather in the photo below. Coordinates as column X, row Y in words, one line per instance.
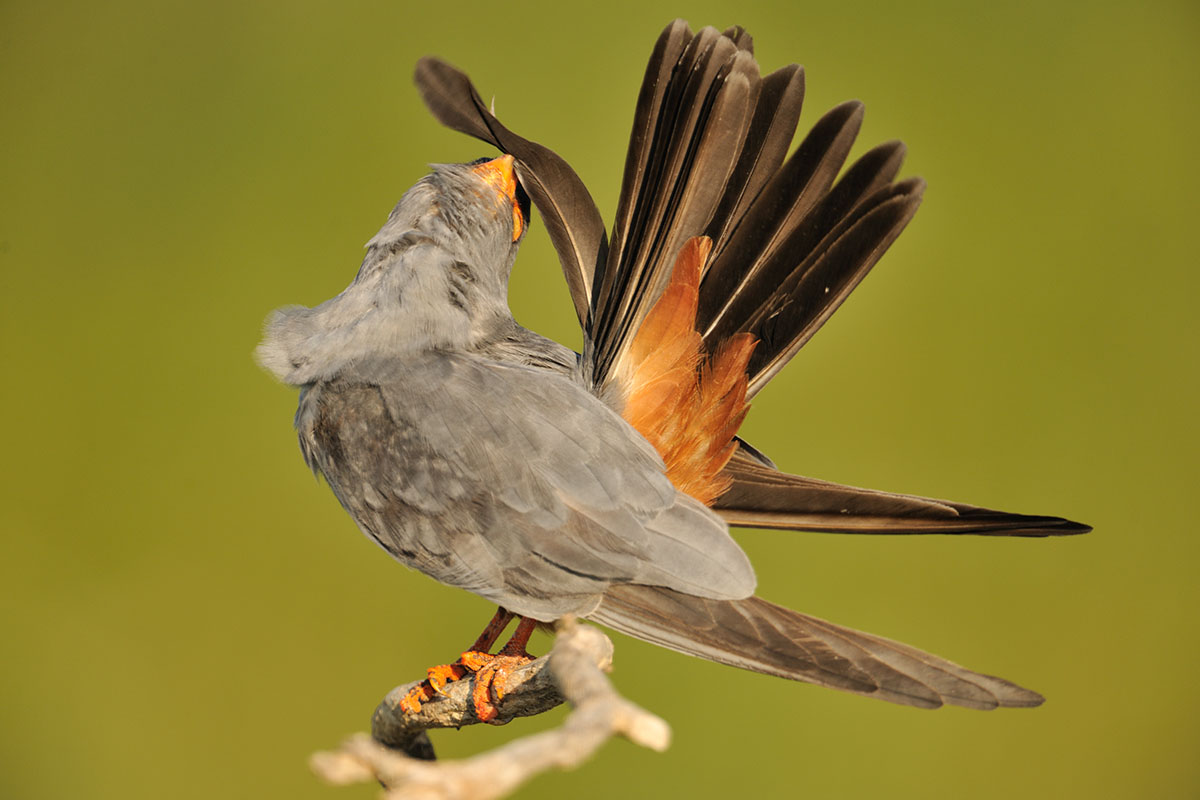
column 687, row 404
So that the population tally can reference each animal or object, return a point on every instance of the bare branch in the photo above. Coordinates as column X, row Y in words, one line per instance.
column 399, row 755
column 530, row 690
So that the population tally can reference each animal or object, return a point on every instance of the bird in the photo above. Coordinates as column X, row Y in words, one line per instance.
column 603, row 484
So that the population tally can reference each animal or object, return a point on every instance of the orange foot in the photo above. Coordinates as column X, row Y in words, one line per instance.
column 491, row 683
column 437, row 678
column 491, row 671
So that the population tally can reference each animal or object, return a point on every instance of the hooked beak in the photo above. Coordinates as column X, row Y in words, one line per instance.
column 499, row 174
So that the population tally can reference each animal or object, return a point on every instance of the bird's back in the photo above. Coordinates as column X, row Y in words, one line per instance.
column 511, row 481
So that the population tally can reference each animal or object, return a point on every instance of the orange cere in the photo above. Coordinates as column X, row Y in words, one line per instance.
column 499, row 173
column 687, row 404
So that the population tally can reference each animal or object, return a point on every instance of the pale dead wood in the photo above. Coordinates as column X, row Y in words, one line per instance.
column 399, row 754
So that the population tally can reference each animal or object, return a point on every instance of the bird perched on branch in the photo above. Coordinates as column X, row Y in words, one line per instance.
column 603, row 484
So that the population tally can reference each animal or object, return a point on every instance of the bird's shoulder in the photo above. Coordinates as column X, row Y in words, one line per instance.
column 478, row 415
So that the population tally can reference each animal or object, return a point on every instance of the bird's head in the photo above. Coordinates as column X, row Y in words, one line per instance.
column 478, row 212
column 435, row 276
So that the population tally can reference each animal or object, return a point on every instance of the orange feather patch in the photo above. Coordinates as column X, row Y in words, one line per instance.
column 688, row 405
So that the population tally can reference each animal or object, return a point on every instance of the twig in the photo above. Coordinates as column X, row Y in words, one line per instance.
column 399, row 756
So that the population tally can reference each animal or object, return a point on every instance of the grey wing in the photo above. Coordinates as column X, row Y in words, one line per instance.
column 762, row 637
column 512, row 483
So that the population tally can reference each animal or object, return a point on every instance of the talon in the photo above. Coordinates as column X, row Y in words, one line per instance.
column 475, row 660
column 481, row 699
column 411, row 702
column 491, row 671
column 491, row 683
column 438, row 677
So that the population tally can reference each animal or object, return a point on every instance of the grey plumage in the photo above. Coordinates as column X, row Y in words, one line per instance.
column 435, row 420
column 497, row 461
column 434, row 276
column 760, row 636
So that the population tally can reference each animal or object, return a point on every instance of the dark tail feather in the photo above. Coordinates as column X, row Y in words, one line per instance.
column 646, row 121
column 781, row 280
column 763, row 637
column 763, row 497
column 784, row 201
column 781, row 94
column 572, row 219
column 694, row 120
column 706, row 156
column 738, row 35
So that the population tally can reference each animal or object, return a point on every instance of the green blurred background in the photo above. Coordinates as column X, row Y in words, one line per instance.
column 188, row 614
